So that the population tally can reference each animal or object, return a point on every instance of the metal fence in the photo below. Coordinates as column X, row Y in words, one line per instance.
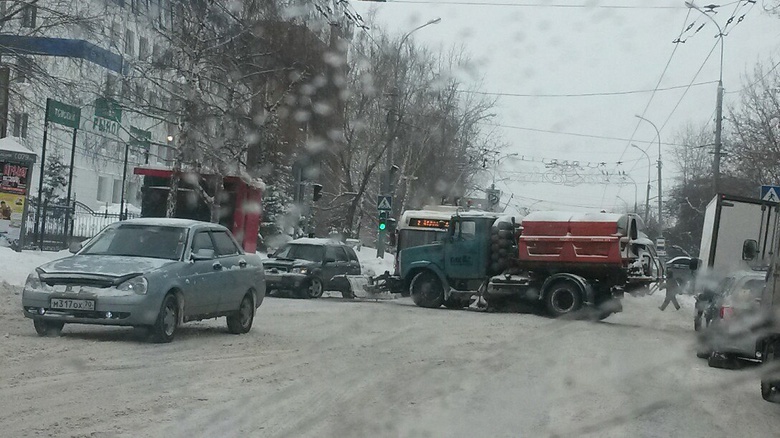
column 54, row 234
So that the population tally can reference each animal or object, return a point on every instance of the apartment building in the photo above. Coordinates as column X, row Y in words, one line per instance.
column 83, row 54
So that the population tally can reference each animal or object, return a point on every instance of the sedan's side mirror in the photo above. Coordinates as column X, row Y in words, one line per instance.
column 75, row 247
column 749, row 249
column 202, row 254
column 693, row 265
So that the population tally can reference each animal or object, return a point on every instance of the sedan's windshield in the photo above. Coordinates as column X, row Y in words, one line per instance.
column 311, row 253
column 158, row 242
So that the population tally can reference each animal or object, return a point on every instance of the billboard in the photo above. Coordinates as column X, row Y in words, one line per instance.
column 14, row 180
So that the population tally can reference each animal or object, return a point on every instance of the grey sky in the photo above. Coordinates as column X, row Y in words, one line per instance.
column 564, row 50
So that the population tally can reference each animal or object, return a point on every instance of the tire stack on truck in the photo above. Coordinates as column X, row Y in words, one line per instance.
column 504, row 244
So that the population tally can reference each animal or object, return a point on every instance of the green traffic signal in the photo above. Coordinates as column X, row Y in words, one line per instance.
column 382, row 226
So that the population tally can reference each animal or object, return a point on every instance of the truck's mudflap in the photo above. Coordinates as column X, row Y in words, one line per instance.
column 370, row 288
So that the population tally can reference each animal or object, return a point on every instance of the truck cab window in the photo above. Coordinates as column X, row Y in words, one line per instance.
column 466, row 230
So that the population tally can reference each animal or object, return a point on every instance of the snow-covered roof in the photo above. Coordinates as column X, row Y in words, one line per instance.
column 167, row 222
column 564, row 216
column 477, row 213
column 9, row 144
column 317, row 241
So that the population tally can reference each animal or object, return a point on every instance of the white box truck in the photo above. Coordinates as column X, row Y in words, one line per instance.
column 728, row 222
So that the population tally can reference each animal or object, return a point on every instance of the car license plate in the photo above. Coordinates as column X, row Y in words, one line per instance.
column 66, row 304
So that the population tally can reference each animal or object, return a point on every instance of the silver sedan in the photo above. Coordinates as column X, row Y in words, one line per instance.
column 151, row 273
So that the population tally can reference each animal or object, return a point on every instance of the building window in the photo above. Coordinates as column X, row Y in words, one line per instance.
column 154, row 105
column 143, row 49
column 110, row 85
column 20, row 125
column 163, row 17
column 116, row 34
column 156, row 53
column 29, row 15
column 24, row 69
column 129, row 43
column 126, row 89
column 140, row 93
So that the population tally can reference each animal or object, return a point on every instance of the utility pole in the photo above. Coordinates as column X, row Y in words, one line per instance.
column 660, row 199
column 718, row 101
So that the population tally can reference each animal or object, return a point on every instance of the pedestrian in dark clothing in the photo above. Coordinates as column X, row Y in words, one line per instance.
column 671, row 292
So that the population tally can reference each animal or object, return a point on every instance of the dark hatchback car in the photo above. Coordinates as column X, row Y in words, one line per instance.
column 308, row 267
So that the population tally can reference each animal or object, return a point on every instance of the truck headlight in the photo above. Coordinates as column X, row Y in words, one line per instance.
column 139, row 285
column 300, row 270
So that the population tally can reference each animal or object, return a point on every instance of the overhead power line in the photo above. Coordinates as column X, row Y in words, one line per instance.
column 573, row 134
column 606, row 93
column 536, row 5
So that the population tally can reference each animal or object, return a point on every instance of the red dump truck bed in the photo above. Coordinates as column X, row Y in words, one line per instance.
column 574, row 238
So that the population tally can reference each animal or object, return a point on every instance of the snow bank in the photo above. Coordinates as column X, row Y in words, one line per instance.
column 371, row 265
column 15, row 266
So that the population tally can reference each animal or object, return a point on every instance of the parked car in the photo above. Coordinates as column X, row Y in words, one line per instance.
column 310, row 266
column 151, row 273
column 735, row 330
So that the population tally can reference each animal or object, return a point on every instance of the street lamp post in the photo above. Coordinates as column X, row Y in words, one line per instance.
column 649, row 170
column 719, row 103
column 658, row 136
column 393, row 122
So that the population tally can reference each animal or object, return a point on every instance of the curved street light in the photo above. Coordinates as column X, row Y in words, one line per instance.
column 394, row 121
column 719, row 100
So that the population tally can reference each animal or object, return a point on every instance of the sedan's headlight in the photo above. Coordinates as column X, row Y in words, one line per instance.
column 300, row 270
column 139, row 285
column 34, row 282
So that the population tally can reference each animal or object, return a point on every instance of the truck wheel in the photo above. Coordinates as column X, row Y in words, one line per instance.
column 427, row 290
column 562, row 298
column 770, row 385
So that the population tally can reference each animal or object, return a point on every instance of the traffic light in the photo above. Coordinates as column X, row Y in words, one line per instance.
column 382, row 220
column 317, row 192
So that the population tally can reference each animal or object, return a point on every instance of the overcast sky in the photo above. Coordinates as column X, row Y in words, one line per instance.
column 540, row 47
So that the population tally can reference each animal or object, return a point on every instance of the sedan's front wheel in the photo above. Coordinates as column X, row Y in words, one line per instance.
column 241, row 321
column 165, row 327
column 312, row 288
column 48, row 328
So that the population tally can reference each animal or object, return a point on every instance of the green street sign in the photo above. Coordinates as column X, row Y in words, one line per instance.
column 108, row 109
column 140, row 138
column 63, row 114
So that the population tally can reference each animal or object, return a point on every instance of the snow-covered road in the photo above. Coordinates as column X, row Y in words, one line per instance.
column 332, row 367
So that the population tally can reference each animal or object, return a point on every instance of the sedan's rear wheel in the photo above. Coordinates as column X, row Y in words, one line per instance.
column 167, row 320
column 48, row 328
column 241, row 321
